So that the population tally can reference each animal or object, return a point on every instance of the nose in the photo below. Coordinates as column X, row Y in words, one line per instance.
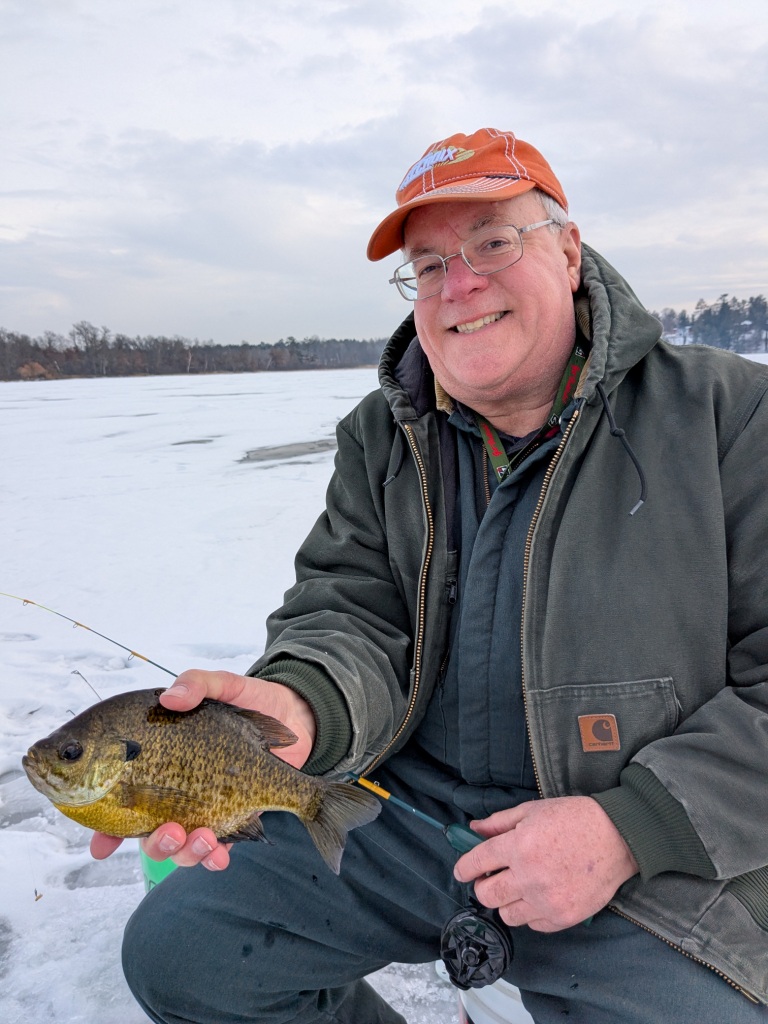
column 461, row 280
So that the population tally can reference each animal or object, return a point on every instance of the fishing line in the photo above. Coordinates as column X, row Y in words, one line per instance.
column 409, row 867
column 81, row 625
column 475, row 946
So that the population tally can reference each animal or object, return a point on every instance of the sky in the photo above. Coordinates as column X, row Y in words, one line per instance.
column 214, row 169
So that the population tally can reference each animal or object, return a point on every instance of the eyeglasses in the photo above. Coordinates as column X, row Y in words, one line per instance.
column 487, row 252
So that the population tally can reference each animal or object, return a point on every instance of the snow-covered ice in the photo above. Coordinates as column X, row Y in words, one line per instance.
column 126, row 504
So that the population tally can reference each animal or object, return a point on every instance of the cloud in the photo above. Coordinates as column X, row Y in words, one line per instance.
column 177, row 168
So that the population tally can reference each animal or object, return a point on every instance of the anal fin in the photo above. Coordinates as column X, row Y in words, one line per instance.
column 250, row 829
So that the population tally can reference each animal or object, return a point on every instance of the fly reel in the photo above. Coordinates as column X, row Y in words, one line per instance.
column 476, row 947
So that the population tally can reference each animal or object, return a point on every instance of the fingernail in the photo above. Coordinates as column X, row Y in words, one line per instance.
column 177, row 690
column 201, row 846
column 211, row 864
column 169, row 845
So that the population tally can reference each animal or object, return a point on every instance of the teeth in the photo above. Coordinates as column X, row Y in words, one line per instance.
column 477, row 324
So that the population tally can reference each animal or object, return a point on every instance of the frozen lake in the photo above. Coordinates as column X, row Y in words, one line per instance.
column 130, row 506
column 126, row 504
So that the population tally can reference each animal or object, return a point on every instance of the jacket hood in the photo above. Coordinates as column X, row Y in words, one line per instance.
column 621, row 330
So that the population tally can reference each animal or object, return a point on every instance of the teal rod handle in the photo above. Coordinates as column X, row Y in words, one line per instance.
column 462, row 838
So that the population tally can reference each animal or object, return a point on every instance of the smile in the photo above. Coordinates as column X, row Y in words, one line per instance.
column 475, row 325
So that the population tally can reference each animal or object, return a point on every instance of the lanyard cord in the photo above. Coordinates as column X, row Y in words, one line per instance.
column 501, row 463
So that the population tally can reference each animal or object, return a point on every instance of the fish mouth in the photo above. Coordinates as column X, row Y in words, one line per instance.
column 55, row 789
column 38, row 780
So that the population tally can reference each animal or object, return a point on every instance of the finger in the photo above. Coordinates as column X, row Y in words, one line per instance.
column 103, row 845
column 194, row 685
column 518, row 913
column 498, row 890
column 500, row 822
column 541, row 924
column 165, row 841
column 483, row 859
column 202, row 847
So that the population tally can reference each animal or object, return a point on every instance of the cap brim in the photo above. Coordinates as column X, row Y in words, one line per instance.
column 388, row 236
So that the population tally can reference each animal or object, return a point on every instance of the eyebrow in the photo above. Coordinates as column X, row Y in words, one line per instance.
column 487, row 220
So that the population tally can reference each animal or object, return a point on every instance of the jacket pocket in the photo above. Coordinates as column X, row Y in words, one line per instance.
column 584, row 734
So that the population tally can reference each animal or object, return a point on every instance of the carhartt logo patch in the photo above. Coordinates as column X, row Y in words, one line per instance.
column 599, row 732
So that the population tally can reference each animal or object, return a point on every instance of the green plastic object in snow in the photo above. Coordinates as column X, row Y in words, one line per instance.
column 154, row 871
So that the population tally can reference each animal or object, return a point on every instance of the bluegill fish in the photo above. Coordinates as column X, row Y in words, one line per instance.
column 127, row 764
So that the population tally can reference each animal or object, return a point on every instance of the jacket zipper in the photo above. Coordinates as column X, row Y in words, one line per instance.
column 696, row 959
column 526, row 561
column 419, row 645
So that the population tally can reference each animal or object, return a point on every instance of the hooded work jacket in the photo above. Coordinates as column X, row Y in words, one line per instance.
column 644, row 637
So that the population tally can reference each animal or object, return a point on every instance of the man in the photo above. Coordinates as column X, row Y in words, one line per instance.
column 537, row 603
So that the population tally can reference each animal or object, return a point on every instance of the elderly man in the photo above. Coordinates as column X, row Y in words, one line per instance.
column 537, row 603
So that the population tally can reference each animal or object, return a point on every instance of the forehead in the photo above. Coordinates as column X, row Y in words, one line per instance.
column 431, row 226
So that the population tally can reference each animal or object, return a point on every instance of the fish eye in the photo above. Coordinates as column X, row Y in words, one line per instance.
column 70, row 751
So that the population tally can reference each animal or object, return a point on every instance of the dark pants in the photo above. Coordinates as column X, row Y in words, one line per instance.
column 278, row 938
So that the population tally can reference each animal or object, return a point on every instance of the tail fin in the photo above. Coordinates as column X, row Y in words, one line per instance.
column 343, row 807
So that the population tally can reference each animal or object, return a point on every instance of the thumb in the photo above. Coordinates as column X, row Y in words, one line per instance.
column 185, row 692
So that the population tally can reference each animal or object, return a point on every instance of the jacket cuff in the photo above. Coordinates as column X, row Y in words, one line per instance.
column 334, row 729
column 654, row 826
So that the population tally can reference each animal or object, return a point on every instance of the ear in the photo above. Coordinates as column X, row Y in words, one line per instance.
column 132, row 750
column 571, row 241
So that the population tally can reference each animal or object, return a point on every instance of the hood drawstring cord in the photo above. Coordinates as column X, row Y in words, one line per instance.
column 620, row 433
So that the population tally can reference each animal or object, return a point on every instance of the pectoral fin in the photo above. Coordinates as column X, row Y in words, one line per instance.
column 167, row 803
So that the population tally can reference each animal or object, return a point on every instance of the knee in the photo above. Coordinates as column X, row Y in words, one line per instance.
column 181, row 969
column 152, row 962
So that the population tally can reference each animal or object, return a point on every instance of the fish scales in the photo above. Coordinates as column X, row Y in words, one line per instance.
column 128, row 764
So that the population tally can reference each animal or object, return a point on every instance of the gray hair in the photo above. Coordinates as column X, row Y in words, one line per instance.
column 553, row 210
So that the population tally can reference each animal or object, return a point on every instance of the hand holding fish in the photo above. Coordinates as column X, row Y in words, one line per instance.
column 190, row 689
column 549, row 864
column 192, row 768
column 273, row 699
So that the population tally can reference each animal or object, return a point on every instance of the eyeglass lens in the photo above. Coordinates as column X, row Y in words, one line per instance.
column 486, row 252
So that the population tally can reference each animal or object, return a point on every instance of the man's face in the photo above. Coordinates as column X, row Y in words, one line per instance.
column 497, row 342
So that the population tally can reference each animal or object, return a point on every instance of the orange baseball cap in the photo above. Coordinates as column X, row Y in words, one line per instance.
column 490, row 165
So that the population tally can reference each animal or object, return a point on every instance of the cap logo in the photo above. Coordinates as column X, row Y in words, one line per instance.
column 438, row 157
column 599, row 732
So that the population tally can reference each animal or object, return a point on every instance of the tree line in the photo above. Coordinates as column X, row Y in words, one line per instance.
column 740, row 325
column 89, row 351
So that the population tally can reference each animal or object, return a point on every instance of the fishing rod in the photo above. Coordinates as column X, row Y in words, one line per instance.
column 461, row 837
column 81, row 625
column 475, row 946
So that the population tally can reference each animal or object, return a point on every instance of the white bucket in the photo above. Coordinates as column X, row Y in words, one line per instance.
column 499, row 1003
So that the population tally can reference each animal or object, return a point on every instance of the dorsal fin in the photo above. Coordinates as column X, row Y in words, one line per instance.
column 274, row 733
